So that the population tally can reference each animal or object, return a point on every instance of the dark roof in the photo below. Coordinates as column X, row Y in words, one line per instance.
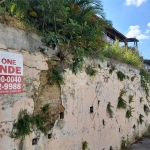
column 113, row 34
column 132, row 40
column 146, row 61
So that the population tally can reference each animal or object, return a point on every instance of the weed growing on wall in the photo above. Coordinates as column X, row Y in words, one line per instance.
column 25, row 122
column 129, row 112
column 121, row 102
column 109, row 110
column 112, row 67
column 121, row 76
column 55, row 72
column 144, row 81
column 123, row 144
column 132, row 78
column 141, row 118
column 90, row 71
column 146, row 109
column 131, row 99
column 141, row 99
column 84, row 145
column 22, row 127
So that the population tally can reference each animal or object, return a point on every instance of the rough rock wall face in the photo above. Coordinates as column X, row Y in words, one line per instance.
column 36, row 93
column 76, row 97
column 81, row 92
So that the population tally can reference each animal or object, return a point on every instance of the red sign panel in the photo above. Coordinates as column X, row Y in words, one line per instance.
column 11, row 73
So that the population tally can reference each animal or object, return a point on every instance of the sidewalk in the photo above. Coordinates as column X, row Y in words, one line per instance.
column 141, row 145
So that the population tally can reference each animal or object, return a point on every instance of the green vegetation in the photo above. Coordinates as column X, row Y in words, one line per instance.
column 112, row 67
column 75, row 27
column 123, row 54
column 132, row 78
column 141, row 99
column 121, row 102
column 146, row 109
column 134, row 126
column 90, row 71
column 109, row 110
column 84, row 145
column 22, row 127
column 55, row 75
column 141, row 119
column 123, row 144
column 121, row 76
column 131, row 99
column 129, row 112
column 144, row 81
column 25, row 122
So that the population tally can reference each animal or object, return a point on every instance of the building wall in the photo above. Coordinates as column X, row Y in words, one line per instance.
column 108, row 39
column 74, row 98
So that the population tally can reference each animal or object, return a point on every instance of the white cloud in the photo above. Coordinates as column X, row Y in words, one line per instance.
column 142, row 37
column 135, row 32
column 147, row 31
column 148, row 24
column 135, row 2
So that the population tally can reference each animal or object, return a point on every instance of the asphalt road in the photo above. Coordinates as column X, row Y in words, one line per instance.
column 141, row 145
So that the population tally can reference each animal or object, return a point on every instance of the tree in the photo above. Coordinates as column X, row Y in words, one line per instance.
column 76, row 27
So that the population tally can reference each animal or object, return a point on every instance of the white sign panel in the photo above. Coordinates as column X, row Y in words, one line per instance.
column 11, row 73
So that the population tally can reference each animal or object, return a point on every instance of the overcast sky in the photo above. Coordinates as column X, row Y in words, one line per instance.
column 132, row 18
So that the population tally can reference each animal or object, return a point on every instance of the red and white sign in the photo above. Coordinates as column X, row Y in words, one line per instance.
column 11, row 73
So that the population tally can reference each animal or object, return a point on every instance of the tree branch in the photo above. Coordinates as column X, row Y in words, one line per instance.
column 2, row 1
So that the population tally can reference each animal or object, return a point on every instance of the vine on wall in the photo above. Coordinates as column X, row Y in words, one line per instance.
column 26, row 122
column 144, row 81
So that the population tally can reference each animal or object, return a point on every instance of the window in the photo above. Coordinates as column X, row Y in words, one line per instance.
column 34, row 141
column 62, row 115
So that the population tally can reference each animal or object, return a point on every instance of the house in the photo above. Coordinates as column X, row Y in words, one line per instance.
column 111, row 35
column 147, row 65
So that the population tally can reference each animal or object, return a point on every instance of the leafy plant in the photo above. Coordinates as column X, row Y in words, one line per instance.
column 121, row 102
column 144, row 81
column 132, row 78
column 22, row 127
column 25, row 122
column 112, row 67
column 121, row 76
column 84, row 145
column 146, row 109
column 90, row 71
column 73, row 27
column 45, row 108
column 39, row 120
column 55, row 75
column 141, row 99
column 77, row 65
column 123, row 54
column 141, row 118
column 123, row 144
column 130, row 99
column 129, row 112
column 109, row 110
column 122, row 92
